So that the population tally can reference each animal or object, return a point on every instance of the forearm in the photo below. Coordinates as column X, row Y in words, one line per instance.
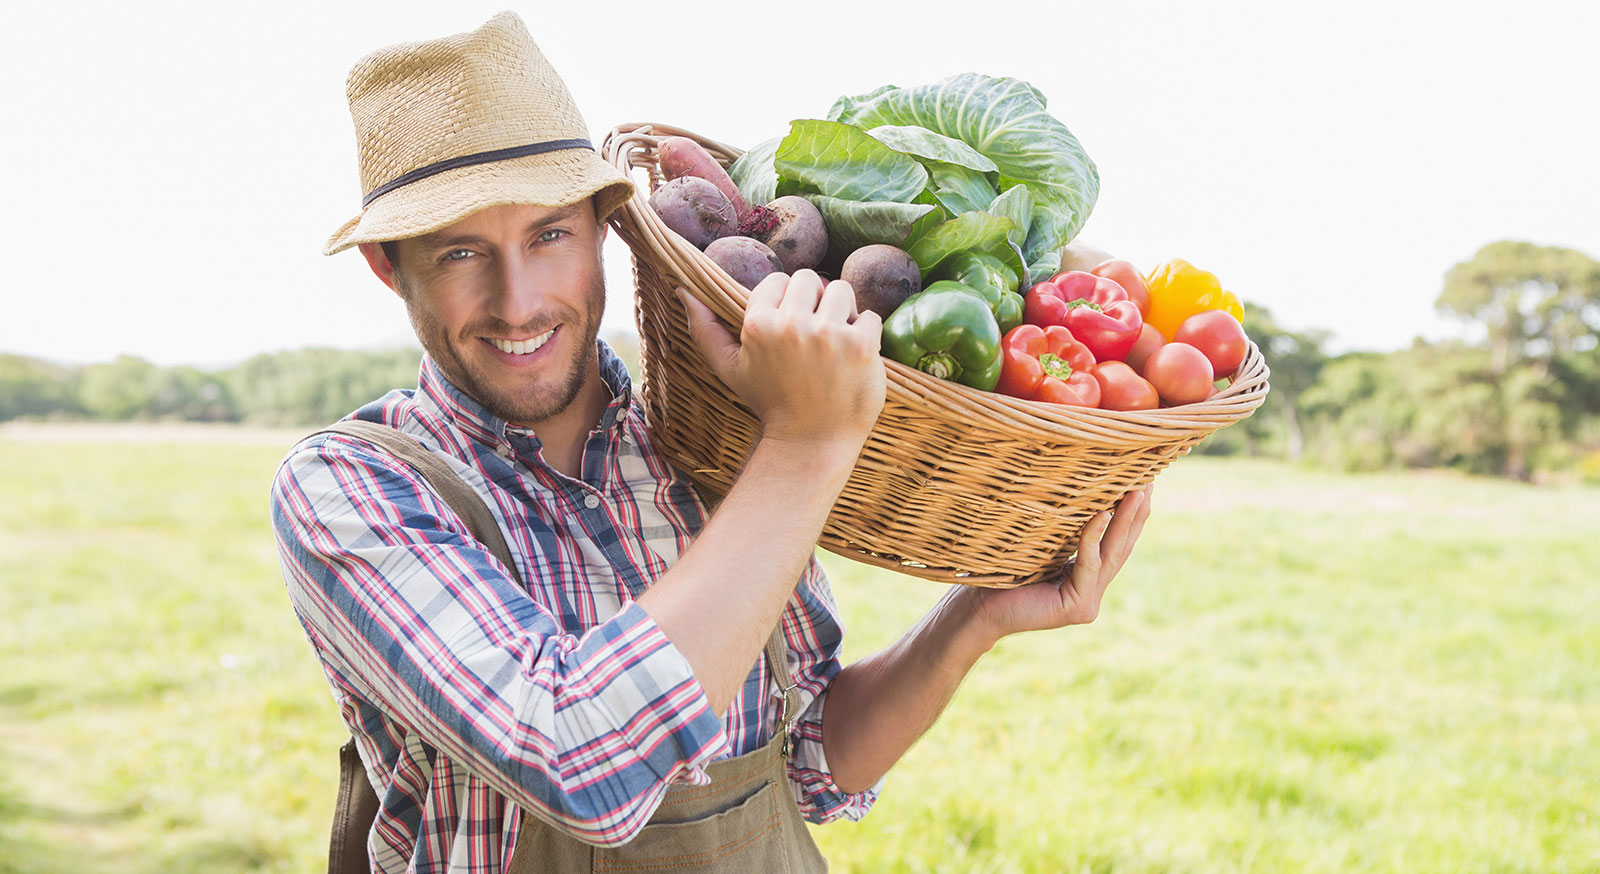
column 719, row 603
column 879, row 706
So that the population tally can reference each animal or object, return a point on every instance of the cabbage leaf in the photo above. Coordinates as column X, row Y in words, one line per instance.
column 1006, row 121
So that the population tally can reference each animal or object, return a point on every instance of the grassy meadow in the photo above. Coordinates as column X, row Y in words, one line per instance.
column 1298, row 672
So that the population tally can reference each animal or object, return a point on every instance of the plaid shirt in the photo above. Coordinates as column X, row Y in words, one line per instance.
column 563, row 699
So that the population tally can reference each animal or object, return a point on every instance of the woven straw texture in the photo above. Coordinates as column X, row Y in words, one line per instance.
column 955, row 484
column 415, row 104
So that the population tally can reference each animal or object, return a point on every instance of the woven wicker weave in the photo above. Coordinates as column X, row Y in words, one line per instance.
column 955, row 484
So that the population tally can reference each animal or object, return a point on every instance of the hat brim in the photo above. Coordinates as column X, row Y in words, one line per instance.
column 422, row 207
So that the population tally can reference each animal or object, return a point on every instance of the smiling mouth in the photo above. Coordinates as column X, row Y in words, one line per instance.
column 522, row 347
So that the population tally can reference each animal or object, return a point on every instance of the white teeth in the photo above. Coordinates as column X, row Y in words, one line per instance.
column 524, row 347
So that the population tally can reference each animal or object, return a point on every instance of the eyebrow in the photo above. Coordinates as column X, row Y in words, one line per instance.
column 435, row 242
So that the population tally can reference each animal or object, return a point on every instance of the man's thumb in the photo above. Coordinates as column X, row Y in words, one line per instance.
column 716, row 342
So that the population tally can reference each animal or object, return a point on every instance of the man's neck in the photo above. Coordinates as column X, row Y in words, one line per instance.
column 563, row 435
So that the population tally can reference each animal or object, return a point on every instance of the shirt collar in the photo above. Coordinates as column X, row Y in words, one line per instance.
column 481, row 425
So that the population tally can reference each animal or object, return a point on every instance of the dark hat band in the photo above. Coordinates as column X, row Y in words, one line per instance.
column 469, row 160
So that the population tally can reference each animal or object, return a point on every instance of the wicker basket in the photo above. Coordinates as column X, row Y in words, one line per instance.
column 955, row 484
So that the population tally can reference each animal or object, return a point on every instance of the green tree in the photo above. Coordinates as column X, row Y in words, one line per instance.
column 1277, row 426
column 1534, row 302
column 30, row 387
column 122, row 389
column 1539, row 307
column 191, row 394
column 312, row 386
column 1435, row 405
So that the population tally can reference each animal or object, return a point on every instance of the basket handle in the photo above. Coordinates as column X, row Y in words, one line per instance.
column 631, row 148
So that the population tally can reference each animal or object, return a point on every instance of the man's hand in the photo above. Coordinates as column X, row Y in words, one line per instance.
column 805, row 363
column 808, row 367
column 1103, row 548
column 879, row 706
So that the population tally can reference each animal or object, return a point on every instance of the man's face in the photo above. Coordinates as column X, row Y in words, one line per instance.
column 508, row 303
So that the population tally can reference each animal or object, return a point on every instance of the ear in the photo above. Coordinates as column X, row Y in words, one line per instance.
column 594, row 201
column 379, row 262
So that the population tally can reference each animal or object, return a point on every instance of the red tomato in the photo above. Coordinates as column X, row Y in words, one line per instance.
column 1126, row 275
column 1219, row 335
column 1149, row 341
column 1180, row 373
column 1122, row 389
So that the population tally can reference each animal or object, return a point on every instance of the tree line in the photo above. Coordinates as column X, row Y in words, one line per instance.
column 1520, row 400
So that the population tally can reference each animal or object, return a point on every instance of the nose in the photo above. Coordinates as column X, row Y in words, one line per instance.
column 519, row 297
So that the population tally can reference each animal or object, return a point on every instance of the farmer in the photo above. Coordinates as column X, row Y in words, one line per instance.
column 623, row 673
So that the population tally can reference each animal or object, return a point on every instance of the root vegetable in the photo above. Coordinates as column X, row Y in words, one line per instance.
column 797, row 233
column 695, row 209
column 1078, row 255
column 883, row 276
column 745, row 259
column 681, row 156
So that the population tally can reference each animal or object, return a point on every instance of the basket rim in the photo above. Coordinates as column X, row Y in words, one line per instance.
column 639, row 226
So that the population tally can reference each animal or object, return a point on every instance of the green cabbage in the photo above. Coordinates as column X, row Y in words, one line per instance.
column 1006, row 121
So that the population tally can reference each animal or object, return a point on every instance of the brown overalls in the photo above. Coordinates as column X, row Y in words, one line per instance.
column 745, row 822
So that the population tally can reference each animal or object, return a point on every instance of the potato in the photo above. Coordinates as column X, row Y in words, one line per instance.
column 799, row 238
column 695, row 210
column 1079, row 255
column 746, row 259
column 883, row 276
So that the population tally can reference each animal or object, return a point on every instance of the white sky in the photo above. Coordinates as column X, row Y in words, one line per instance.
column 172, row 169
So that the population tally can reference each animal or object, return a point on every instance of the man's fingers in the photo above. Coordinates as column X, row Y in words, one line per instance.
column 1127, row 512
column 1087, row 560
column 801, row 293
column 768, row 293
column 716, row 342
column 838, row 302
column 1137, row 527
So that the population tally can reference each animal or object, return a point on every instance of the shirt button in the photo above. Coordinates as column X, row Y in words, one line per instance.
column 591, row 501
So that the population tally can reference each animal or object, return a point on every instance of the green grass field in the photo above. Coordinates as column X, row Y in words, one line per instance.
column 1298, row 672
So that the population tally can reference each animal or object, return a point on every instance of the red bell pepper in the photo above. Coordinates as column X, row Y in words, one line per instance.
column 1096, row 309
column 1047, row 364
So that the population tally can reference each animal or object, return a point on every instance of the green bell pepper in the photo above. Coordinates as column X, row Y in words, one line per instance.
column 947, row 330
column 992, row 279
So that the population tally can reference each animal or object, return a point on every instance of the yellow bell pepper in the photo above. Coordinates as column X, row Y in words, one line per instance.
column 1179, row 289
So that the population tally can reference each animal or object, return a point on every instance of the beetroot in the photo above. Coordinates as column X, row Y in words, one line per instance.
column 797, row 233
column 681, row 156
column 695, row 209
column 882, row 276
column 745, row 259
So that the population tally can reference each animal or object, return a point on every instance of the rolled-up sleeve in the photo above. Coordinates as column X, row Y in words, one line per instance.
column 583, row 731
column 814, row 635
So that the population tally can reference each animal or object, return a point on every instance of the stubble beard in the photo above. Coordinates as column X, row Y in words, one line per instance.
column 527, row 405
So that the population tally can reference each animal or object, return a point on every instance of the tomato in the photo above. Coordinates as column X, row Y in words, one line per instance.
column 1123, row 389
column 1149, row 341
column 1217, row 334
column 1126, row 275
column 1180, row 373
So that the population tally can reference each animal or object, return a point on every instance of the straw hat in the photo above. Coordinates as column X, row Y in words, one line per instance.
column 450, row 126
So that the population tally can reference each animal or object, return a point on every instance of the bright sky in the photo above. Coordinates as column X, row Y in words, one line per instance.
column 173, row 169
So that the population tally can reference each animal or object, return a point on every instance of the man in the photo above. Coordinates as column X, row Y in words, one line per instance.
column 550, row 724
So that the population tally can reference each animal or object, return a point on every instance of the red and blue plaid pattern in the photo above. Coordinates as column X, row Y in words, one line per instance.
column 564, row 699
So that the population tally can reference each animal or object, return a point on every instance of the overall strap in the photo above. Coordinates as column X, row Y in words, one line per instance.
column 789, row 707
column 357, row 805
column 448, row 484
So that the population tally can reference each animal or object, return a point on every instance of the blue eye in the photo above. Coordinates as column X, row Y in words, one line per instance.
column 458, row 255
column 551, row 235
